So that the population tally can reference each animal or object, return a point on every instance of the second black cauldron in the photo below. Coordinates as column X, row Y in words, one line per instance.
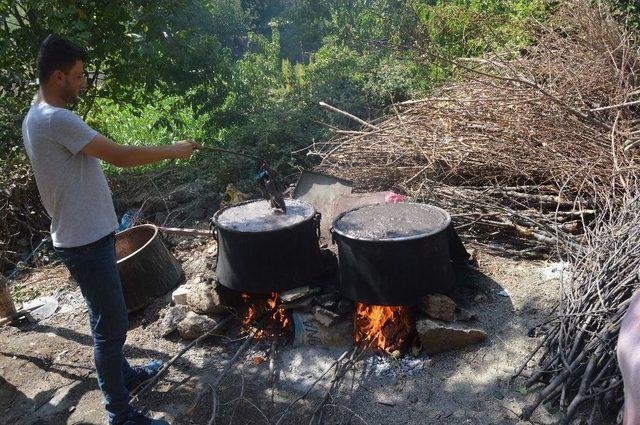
column 394, row 254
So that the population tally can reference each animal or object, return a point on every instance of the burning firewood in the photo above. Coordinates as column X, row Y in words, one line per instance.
column 385, row 328
column 268, row 311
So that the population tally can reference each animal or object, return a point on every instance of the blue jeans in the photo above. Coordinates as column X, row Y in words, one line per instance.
column 94, row 268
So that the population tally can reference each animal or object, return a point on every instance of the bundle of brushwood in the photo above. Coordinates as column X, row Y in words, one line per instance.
column 577, row 356
column 23, row 222
column 518, row 147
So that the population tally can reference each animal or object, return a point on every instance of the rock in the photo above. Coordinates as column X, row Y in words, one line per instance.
column 172, row 317
column 204, row 298
column 436, row 337
column 233, row 196
column 198, row 213
column 324, row 316
column 137, row 200
column 185, row 193
column 154, row 204
column 311, row 333
column 212, row 249
column 328, row 300
column 212, row 262
column 473, row 256
column 303, row 304
column 345, row 306
column 195, row 265
column 209, row 202
column 298, row 293
column 195, row 325
column 179, row 296
column 438, row 306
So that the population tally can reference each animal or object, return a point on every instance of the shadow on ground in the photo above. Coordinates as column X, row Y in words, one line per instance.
column 56, row 383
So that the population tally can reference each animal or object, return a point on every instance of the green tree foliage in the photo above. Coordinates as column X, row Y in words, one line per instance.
column 629, row 11
column 136, row 48
column 358, row 55
column 250, row 74
column 162, row 121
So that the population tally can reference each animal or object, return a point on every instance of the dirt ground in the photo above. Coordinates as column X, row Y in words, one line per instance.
column 47, row 376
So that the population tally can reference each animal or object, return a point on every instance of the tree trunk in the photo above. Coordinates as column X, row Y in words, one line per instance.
column 147, row 268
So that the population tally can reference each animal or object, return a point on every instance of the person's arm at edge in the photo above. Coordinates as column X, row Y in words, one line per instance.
column 125, row 156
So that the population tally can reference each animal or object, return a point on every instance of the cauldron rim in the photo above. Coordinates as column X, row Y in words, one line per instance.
column 217, row 224
column 391, row 240
column 135, row 228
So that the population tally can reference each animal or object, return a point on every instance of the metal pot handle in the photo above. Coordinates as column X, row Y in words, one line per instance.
column 317, row 218
column 214, row 230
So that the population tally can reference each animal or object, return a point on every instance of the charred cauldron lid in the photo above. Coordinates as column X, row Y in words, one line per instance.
column 258, row 216
column 392, row 222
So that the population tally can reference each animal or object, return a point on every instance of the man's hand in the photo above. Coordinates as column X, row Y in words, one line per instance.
column 184, row 148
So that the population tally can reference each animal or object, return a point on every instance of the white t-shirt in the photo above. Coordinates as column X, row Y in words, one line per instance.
column 72, row 185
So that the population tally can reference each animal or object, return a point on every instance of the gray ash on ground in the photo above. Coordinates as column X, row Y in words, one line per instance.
column 392, row 221
column 384, row 365
column 259, row 216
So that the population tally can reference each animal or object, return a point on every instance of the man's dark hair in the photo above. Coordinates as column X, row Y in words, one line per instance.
column 57, row 54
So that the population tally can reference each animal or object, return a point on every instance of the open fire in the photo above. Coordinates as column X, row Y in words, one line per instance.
column 386, row 328
column 276, row 322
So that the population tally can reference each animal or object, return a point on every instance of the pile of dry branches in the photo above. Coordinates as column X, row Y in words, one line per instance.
column 578, row 362
column 22, row 222
column 523, row 142
column 538, row 145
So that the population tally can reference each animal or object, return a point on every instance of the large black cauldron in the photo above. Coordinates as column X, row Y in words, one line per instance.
column 262, row 251
column 394, row 254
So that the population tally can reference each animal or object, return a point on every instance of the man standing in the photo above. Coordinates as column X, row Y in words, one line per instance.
column 64, row 153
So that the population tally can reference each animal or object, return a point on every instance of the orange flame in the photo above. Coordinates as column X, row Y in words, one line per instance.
column 277, row 321
column 386, row 328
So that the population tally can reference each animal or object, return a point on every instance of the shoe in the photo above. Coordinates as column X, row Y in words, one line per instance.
column 142, row 374
column 136, row 418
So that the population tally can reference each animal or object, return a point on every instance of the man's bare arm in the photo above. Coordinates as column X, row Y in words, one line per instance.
column 132, row 156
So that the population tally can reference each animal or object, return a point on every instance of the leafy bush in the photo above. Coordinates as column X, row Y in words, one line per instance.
column 366, row 58
column 135, row 48
column 166, row 120
column 629, row 11
column 470, row 28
